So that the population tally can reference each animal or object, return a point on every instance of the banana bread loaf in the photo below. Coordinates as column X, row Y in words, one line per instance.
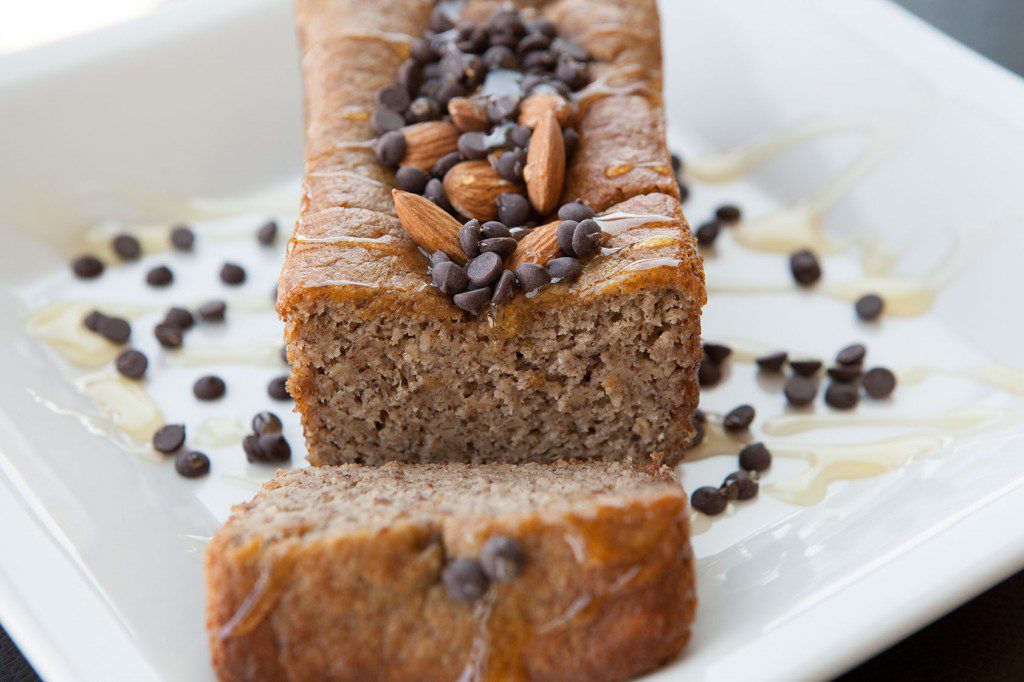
column 565, row 571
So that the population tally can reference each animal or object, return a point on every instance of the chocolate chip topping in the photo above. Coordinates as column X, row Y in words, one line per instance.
column 445, row 164
column 707, row 233
column 390, row 147
column 513, row 209
column 708, row 500
column 209, row 387
column 563, row 268
column 485, row 269
column 127, row 247
column 160, row 276
column 773, row 362
column 274, row 447
column 384, row 120
column 502, row 558
column 493, row 229
column 182, row 238
column 869, row 307
column 852, row 354
column 879, row 382
column 267, row 234
column 131, row 363
column 232, row 274
column 212, row 311
column 563, row 235
column 842, row 395
column 465, row 580
column 92, row 320
column 469, row 238
column 169, row 438
column 738, row 418
column 169, row 336
column 435, row 192
column 251, row 446
column 575, row 210
column 179, row 317
column 805, row 368
column 503, row 246
column 473, row 302
column 473, row 145
column 805, row 267
column 510, row 165
column 393, row 97
column 586, row 237
column 87, row 267
column 505, row 289
column 709, row 373
column 755, row 457
column 449, row 278
column 266, row 422
column 412, row 179
column 844, row 372
column 532, row 276
column 728, row 213
column 192, row 464
column 741, row 485
column 800, row 390
column 717, row 352
column 278, row 388
column 114, row 329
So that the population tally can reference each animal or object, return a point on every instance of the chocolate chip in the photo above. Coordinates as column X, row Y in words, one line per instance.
column 800, row 390
column 267, row 234
column 390, row 148
column 532, row 276
column 852, row 354
column 869, row 307
column 708, row 500
column 485, row 269
column 465, row 580
column 410, row 75
column 278, row 388
column 439, row 21
column 284, row 354
column 412, row 179
column 513, row 209
column 169, row 438
column 505, row 289
column 209, row 387
column 572, row 73
column 773, row 362
column 127, row 247
column 251, row 446
column 180, row 318
column 684, row 192
column 492, row 229
column 755, row 457
column 841, row 395
column 571, row 138
column 449, row 278
column 131, row 363
column 879, row 382
column 563, row 268
column 435, row 192
column 738, row 418
column 232, row 274
column 563, row 234
column 545, row 26
column 677, row 162
column 503, row 246
column 709, row 373
column 805, row 267
column 473, row 302
column 469, row 238
column 274, row 447
column 844, row 372
column 114, row 329
column 500, row 57
column 742, row 483
column 439, row 257
column 87, row 267
column 213, row 311
column 507, row 21
column 570, row 48
column 805, row 368
column 533, row 41
column 718, row 352
column 445, row 164
column 586, row 237
column 502, row 558
column 728, row 213
column 510, row 166
column 520, row 135
column 421, row 51
column 92, row 320
column 422, row 109
column 192, row 464
column 698, row 433
column 575, row 210
column 393, row 97
column 266, row 422
column 708, row 232
column 160, row 276
column 182, row 238
column 169, row 335
column 699, row 417
column 538, row 60
column 473, row 145
column 448, row 91
column 502, row 108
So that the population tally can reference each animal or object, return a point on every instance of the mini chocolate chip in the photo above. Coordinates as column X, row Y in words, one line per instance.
column 393, row 97
column 728, row 213
column 586, row 237
column 169, row 438
column 570, row 48
column 232, row 274
column 507, row 21
column 513, row 209
column 844, row 372
column 852, row 354
column 502, row 108
column 503, row 246
column 879, row 382
column 422, row 109
column 473, row 145
column 390, row 147
column 131, row 363
column 278, row 388
column 127, row 247
column 179, row 317
column 485, row 269
column 520, row 135
column 718, row 352
column 505, row 289
column 805, row 267
column 251, row 446
column 445, row 164
column 738, row 418
column 213, row 311
column 575, row 210
column 869, row 307
column 805, row 368
column 274, row 447
column 439, row 20
column 773, row 362
column 744, row 484
column 209, row 387
column 563, row 268
column 160, row 276
column 421, row 51
column 92, row 320
column 755, row 457
column 708, row 500
column 87, row 267
column 545, row 26
column 800, row 390
column 500, row 57
column 708, row 233
column 169, row 335
column 699, row 417
column 538, row 60
column 563, row 234
column 410, row 75
column 449, row 278
column 493, row 228
column 841, row 395
column 465, row 580
column 677, row 162
column 532, row 276
column 284, row 354
column 114, row 329
column 502, row 558
column 572, row 73
column 473, row 302
column 698, row 433
column 684, row 192
column 533, row 41
column 182, row 238
column 192, row 464
column 267, row 234
column 448, row 91
column 510, row 165
column 435, row 192
column 439, row 257
column 266, row 422
column 709, row 373
column 469, row 238
column 412, row 179
column 571, row 139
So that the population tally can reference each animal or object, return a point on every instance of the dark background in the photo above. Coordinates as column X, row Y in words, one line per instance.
column 984, row 639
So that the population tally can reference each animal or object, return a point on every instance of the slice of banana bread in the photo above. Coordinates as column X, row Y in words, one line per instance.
column 578, row 571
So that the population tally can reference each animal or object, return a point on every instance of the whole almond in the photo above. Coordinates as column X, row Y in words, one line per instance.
column 427, row 142
column 536, row 105
column 468, row 115
column 473, row 188
column 430, row 226
column 538, row 247
column 545, row 164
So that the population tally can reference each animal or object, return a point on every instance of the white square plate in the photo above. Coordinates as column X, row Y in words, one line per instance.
column 895, row 148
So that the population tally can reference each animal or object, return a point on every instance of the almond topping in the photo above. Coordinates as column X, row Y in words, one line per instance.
column 536, row 105
column 538, row 247
column 431, row 227
column 473, row 188
column 427, row 142
column 469, row 115
column 545, row 164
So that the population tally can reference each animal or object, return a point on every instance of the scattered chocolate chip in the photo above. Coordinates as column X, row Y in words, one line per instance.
column 179, row 317
column 92, row 320
column 160, row 276
column 708, row 500
column 284, row 354
column 421, row 51
column 709, row 373
column 266, row 422
column 274, row 447
column 513, row 209
column 805, row 368
column 533, row 41
column 571, row 49
column 773, row 362
column 232, row 274
column 800, row 390
column 169, row 336
column 192, row 464
column 742, row 483
column 412, row 179
column 532, row 276
column 439, row 21
column 209, row 387
column 755, row 457
column 844, row 372
column 728, row 214
column 267, row 234
column 563, row 268
column 439, row 257
column 869, row 307
column 717, row 352
column 465, row 580
column 131, row 363
column 393, row 97
column 505, row 289
column 520, row 135
column 213, row 311
column 677, row 162
column 473, row 145
column 510, row 165
column 182, row 238
column 473, row 302
column 484, row 269
column 390, row 147
column 493, row 229
column 449, row 278
column 278, row 388
column 575, row 210
column 410, row 75
column 852, row 354
column 586, row 237
column 445, row 164
column 500, row 57
column 127, row 247
column 87, row 267
column 698, row 433
column 435, row 192
column 842, row 395
column 502, row 558
column 572, row 73
column 422, row 109
column 879, row 382
column 114, row 329
column 708, row 233
column 805, row 267
column 571, row 138
column 563, row 234
column 739, row 418
column 684, row 192
column 502, row 108
column 251, row 446
column 503, row 246
column 169, row 438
